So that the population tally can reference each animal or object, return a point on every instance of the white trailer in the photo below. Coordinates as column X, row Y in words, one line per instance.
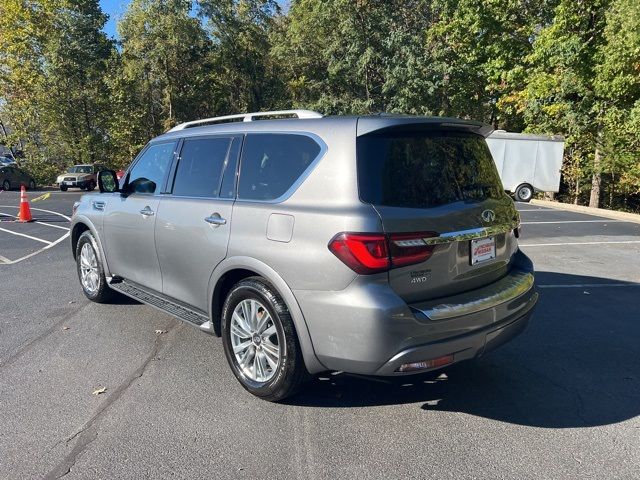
column 527, row 163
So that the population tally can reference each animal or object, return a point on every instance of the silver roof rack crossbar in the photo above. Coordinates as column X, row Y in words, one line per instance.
column 248, row 117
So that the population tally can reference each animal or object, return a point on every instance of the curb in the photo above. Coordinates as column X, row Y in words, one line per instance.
column 602, row 212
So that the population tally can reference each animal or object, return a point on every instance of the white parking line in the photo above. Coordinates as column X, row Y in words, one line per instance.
column 49, row 244
column 591, row 285
column 26, row 236
column 575, row 221
column 576, row 243
column 37, row 221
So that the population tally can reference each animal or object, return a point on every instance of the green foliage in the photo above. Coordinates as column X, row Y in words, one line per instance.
column 69, row 94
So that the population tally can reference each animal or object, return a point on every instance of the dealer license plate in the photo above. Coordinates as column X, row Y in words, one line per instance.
column 483, row 249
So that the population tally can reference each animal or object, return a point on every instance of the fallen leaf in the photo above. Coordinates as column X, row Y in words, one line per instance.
column 586, row 293
column 160, row 332
column 65, row 328
column 72, row 301
column 99, row 391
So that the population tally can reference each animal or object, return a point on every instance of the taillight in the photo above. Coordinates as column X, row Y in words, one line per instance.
column 409, row 248
column 367, row 253
column 362, row 252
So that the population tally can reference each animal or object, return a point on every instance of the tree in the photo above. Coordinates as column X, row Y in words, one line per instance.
column 617, row 84
column 163, row 57
column 53, row 93
column 560, row 96
column 242, row 71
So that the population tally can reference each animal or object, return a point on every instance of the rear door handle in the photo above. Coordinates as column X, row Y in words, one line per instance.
column 216, row 219
column 147, row 212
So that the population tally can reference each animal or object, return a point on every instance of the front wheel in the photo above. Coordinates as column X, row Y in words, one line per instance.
column 63, row 188
column 524, row 193
column 260, row 341
column 91, row 186
column 90, row 270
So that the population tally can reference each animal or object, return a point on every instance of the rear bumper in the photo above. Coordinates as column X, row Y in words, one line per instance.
column 368, row 329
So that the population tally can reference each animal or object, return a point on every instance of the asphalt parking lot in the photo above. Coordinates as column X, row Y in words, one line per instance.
column 560, row 401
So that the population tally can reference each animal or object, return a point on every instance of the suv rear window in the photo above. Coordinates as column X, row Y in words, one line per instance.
column 272, row 162
column 425, row 169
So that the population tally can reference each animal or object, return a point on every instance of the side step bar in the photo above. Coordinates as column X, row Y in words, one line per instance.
column 163, row 304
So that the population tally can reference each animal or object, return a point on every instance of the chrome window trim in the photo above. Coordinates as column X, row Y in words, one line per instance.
column 303, row 176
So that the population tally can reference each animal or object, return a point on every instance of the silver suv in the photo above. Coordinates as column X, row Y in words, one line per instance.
column 377, row 245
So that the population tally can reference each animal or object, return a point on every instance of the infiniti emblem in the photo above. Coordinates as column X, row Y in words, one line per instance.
column 488, row 216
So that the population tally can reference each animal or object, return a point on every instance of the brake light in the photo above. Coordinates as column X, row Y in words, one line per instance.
column 367, row 253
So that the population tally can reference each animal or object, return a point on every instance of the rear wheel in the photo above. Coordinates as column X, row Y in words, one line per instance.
column 524, row 193
column 6, row 185
column 90, row 270
column 260, row 341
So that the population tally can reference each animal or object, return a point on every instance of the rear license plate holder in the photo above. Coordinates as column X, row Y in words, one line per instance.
column 482, row 250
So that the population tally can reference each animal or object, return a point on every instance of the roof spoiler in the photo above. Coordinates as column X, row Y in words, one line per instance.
column 379, row 124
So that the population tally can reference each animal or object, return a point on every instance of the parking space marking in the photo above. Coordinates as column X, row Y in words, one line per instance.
column 577, row 243
column 575, row 221
column 590, row 285
column 26, row 236
column 36, row 221
column 6, row 261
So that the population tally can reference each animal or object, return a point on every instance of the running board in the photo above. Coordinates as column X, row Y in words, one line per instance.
column 181, row 312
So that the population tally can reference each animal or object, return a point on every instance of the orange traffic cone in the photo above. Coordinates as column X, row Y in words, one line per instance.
column 25, row 210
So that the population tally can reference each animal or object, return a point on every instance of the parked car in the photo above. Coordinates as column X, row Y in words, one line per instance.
column 376, row 245
column 6, row 161
column 14, row 177
column 80, row 176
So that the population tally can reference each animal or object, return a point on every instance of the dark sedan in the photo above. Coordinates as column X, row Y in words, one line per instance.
column 13, row 177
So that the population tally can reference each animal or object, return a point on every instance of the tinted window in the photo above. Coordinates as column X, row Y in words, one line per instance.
column 148, row 173
column 200, row 167
column 422, row 170
column 271, row 163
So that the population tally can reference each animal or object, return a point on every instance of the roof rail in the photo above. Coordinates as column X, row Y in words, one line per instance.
column 247, row 117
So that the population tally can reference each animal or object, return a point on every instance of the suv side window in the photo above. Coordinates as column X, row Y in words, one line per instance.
column 272, row 162
column 148, row 173
column 200, row 166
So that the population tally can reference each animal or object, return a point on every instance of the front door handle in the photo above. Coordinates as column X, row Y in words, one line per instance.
column 216, row 219
column 147, row 212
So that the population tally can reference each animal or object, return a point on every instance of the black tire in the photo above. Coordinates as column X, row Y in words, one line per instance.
column 101, row 294
column 6, row 185
column 90, row 186
column 81, row 188
column 32, row 185
column 291, row 372
column 524, row 193
column 63, row 188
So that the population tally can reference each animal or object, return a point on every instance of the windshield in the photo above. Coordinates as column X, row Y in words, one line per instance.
column 425, row 169
column 80, row 169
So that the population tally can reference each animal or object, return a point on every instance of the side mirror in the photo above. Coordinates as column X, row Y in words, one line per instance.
column 108, row 181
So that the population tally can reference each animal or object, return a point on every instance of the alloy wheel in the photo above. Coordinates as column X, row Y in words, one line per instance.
column 89, row 275
column 255, row 340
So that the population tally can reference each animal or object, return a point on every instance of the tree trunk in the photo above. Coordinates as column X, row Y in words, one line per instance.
column 594, row 199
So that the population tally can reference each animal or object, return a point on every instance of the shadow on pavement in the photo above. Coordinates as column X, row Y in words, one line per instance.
column 577, row 365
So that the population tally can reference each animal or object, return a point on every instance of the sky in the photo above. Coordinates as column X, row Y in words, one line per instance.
column 113, row 8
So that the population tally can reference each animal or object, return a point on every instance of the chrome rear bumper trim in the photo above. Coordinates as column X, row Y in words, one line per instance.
column 517, row 283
